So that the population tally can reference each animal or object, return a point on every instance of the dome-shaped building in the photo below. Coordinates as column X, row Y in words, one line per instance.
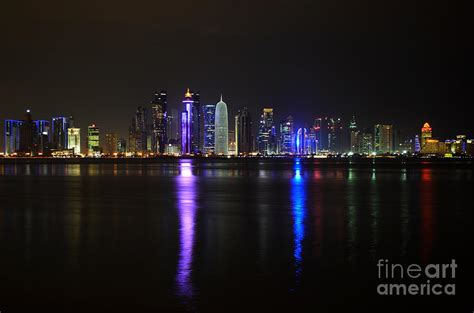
column 221, row 129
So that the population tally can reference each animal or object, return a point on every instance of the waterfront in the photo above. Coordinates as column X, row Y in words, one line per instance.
column 200, row 235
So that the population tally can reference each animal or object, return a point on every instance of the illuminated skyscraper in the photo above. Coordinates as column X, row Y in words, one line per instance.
column 287, row 136
column 221, row 129
column 110, row 145
column 266, row 137
column 121, row 145
column 191, row 124
column 93, row 142
column 12, row 136
column 243, row 132
column 138, row 131
column 42, row 135
column 417, row 147
column 383, row 138
column 60, row 125
column 335, row 140
column 74, row 140
column 367, row 143
column 28, row 135
column 301, row 141
column 209, row 113
column 159, row 122
column 354, row 134
column 321, row 131
column 426, row 133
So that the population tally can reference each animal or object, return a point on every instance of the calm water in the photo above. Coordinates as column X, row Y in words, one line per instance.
column 218, row 236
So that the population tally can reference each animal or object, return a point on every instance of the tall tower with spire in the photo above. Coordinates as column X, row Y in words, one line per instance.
column 221, row 129
column 191, row 123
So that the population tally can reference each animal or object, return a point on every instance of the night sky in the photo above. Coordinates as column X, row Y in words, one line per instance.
column 400, row 62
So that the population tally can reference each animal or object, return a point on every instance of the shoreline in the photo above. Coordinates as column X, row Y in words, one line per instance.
column 399, row 162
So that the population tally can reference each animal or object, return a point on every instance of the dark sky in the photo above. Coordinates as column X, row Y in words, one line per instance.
column 400, row 62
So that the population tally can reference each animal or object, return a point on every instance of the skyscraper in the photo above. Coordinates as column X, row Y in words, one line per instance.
column 426, row 133
column 209, row 113
column 159, row 122
column 383, row 138
column 301, row 141
column 110, row 146
column 287, row 136
column 60, row 126
column 42, row 135
column 266, row 137
column 354, row 134
column 138, row 131
column 28, row 135
column 243, row 134
column 321, row 130
column 221, row 129
column 74, row 140
column 12, row 136
column 367, row 143
column 93, row 142
column 335, row 140
column 191, row 123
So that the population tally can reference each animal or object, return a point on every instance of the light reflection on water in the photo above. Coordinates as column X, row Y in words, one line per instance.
column 186, row 195
column 289, row 221
column 298, row 199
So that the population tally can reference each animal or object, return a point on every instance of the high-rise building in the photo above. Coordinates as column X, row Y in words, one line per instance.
column 366, row 146
column 121, row 145
column 301, row 141
column 287, row 136
column 12, row 136
column 28, row 135
column 266, row 133
column 221, row 129
column 243, row 132
column 209, row 113
column 74, row 140
column 93, row 143
column 354, row 134
column 172, row 128
column 191, row 124
column 383, row 138
column 426, row 133
column 159, row 122
column 139, row 131
column 110, row 144
column 417, row 144
column 311, row 144
column 321, row 130
column 42, row 135
column 60, row 126
column 232, row 143
column 335, row 140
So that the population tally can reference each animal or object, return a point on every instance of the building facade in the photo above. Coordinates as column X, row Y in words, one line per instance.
column 221, row 129
column 209, row 116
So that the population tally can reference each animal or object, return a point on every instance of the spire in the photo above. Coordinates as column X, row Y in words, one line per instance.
column 188, row 94
column 221, row 97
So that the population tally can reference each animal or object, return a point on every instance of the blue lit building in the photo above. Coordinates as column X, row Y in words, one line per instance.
column 60, row 126
column 42, row 132
column 301, row 141
column 287, row 136
column 12, row 136
column 209, row 114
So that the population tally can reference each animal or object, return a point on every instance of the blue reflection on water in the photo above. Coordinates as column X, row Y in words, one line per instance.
column 298, row 210
column 186, row 194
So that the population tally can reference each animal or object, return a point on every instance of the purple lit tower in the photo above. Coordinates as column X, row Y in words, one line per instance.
column 191, row 124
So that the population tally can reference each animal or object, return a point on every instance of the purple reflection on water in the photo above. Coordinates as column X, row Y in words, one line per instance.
column 186, row 195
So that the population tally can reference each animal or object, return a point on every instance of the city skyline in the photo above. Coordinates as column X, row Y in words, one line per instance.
column 383, row 62
column 205, row 130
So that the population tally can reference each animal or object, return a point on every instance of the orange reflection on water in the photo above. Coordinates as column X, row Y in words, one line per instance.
column 427, row 217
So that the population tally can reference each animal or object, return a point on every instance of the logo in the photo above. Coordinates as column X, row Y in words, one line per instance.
column 415, row 279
